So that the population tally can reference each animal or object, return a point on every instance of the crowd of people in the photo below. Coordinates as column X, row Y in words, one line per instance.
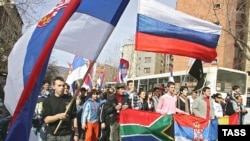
column 93, row 115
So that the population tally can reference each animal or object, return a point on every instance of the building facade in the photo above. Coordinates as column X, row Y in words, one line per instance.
column 146, row 63
column 110, row 72
column 225, row 13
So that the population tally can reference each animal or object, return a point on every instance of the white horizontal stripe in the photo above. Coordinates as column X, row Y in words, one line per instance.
column 77, row 74
column 162, row 12
column 179, row 138
column 14, row 84
column 84, row 35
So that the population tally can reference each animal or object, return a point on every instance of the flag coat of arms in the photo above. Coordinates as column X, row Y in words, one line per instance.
column 163, row 29
column 75, row 26
column 192, row 128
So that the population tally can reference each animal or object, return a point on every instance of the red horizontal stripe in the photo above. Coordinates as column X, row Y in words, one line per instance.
column 190, row 120
column 233, row 119
column 151, row 43
column 138, row 117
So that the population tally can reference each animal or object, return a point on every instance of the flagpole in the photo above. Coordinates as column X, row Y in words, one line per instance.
column 79, row 87
column 191, row 62
column 74, row 96
column 185, row 76
column 96, row 54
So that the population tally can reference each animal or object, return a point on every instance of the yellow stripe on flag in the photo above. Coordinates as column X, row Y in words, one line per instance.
column 229, row 120
column 223, row 120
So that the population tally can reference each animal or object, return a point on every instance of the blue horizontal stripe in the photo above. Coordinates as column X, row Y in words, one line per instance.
column 78, row 62
column 210, row 132
column 105, row 10
column 155, row 27
column 36, row 44
column 183, row 131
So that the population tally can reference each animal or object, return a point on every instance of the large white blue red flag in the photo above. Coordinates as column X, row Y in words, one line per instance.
column 78, row 26
column 163, row 29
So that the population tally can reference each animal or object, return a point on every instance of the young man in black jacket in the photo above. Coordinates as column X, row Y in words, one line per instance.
column 54, row 108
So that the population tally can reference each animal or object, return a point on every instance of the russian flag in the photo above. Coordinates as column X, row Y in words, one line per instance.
column 165, row 30
column 194, row 128
column 78, row 26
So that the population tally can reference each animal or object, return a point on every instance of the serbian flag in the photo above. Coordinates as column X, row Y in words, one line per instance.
column 136, row 125
column 229, row 120
column 123, row 70
column 78, row 26
column 78, row 70
column 88, row 81
column 192, row 128
column 100, row 80
column 163, row 29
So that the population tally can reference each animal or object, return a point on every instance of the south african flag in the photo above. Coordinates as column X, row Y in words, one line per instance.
column 138, row 125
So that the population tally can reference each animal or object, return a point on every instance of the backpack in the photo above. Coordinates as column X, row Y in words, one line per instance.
column 37, row 121
column 229, row 110
column 37, row 118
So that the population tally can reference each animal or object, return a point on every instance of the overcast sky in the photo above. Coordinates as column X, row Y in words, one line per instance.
column 122, row 34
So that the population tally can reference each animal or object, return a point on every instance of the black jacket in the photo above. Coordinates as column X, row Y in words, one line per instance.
column 109, row 107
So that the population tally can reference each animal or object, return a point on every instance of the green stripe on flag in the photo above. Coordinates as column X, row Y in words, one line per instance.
column 161, row 129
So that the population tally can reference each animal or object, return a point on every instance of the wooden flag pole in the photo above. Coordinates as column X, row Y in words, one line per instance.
column 74, row 96
column 185, row 76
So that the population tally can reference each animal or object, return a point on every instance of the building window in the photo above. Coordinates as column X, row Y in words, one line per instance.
column 217, row 23
column 248, row 102
column 147, row 59
column 217, row 6
column 146, row 70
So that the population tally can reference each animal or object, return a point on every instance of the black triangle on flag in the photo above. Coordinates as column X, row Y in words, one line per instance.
column 200, row 84
column 197, row 72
